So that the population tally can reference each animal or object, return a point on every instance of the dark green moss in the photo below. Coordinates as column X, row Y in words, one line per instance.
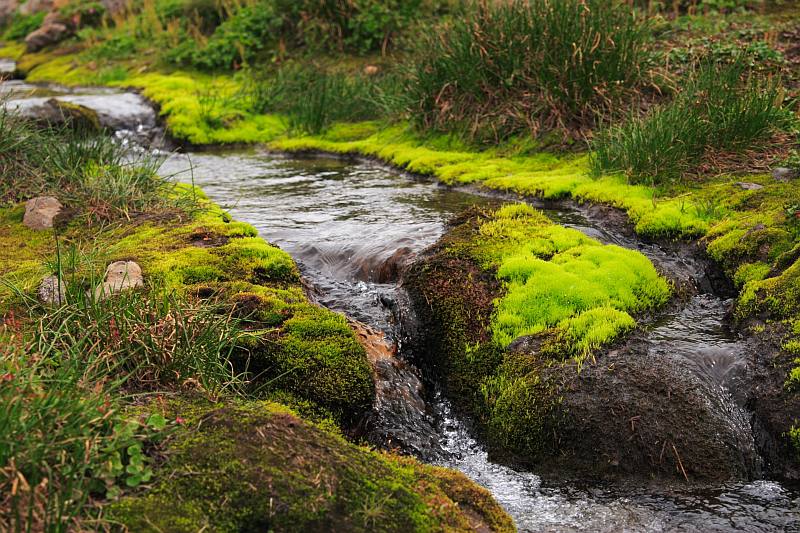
column 257, row 467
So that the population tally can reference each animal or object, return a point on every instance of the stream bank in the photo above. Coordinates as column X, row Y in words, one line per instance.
column 354, row 267
column 376, row 214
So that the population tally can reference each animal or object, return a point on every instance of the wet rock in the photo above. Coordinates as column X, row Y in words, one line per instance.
column 48, row 34
column 40, row 212
column 120, row 276
column 387, row 270
column 50, row 112
column 399, row 419
column 785, row 174
column 749, row 186
column 52, row 291
column 635, row 414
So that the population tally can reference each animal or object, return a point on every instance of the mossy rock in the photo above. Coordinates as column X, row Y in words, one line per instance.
column 556, row 397
column 258, row 467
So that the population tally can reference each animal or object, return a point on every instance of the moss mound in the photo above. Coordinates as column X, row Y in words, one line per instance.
column 292, row 346
column 509, row 307
column 258, row 467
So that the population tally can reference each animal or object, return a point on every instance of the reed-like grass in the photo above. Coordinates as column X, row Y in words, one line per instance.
column 528, row 66
column 313, row 98
column 90, row 172
column 724, row 110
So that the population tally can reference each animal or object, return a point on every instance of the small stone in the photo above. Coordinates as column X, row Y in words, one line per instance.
column 40, row 212
column 120, row 275
column 51, row 292
column 749, row 186
column 785, row 174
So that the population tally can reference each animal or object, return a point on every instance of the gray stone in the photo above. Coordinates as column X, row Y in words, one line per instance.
column 40, row 212
column 749, row 186
column 52, row 292
column 785, row 174
column 120, row 276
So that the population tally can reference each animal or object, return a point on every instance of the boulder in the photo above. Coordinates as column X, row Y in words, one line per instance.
column 40, row 212
column 120, row 276
column 630, row 413
column 52, row 291
column 49, row 112
column 47, row 35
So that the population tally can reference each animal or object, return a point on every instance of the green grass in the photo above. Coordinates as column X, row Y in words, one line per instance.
column 313, row 98
column 65, row 439
column 527, row 66
column 87, row 170
column 724, row 110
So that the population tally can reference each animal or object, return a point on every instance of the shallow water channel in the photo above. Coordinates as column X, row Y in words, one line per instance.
column 349, row 225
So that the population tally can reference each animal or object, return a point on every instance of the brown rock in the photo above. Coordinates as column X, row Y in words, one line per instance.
column 40, row 212
column 45, row 36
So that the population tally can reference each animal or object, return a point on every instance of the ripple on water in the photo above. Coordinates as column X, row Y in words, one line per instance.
column 341, row 221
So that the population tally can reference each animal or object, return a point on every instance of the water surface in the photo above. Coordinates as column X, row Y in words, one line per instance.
column 342, row 222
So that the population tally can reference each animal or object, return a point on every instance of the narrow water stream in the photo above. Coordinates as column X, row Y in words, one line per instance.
column 350, row 225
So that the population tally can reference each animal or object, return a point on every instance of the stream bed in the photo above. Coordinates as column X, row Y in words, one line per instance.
column 348, row 225
column 351, row 226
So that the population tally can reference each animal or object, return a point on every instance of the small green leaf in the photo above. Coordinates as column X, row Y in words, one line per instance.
column 157, row 421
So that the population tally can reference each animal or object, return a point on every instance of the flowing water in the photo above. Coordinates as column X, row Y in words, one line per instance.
column 344, row 223
column 352, row 226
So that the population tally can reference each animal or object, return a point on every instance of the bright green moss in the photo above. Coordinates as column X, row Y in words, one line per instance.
column 554, row 275
column 22, row 252
column 12, row 50
column 779, row 295
column 750, row 272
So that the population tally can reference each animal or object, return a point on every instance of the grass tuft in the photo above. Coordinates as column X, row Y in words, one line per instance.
column 528, row 66
column 725, row 109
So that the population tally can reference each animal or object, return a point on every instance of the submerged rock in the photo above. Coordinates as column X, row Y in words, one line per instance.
column 40, row 212
column 120, row 276
column 399, row 419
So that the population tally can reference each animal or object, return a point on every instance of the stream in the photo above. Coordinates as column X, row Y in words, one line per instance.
column 351, row 226
column 342, row 222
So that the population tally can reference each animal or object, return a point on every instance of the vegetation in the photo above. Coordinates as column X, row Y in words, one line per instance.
column 528, row 66
column 230, row 463
column 470, row 93
column 725, row 110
